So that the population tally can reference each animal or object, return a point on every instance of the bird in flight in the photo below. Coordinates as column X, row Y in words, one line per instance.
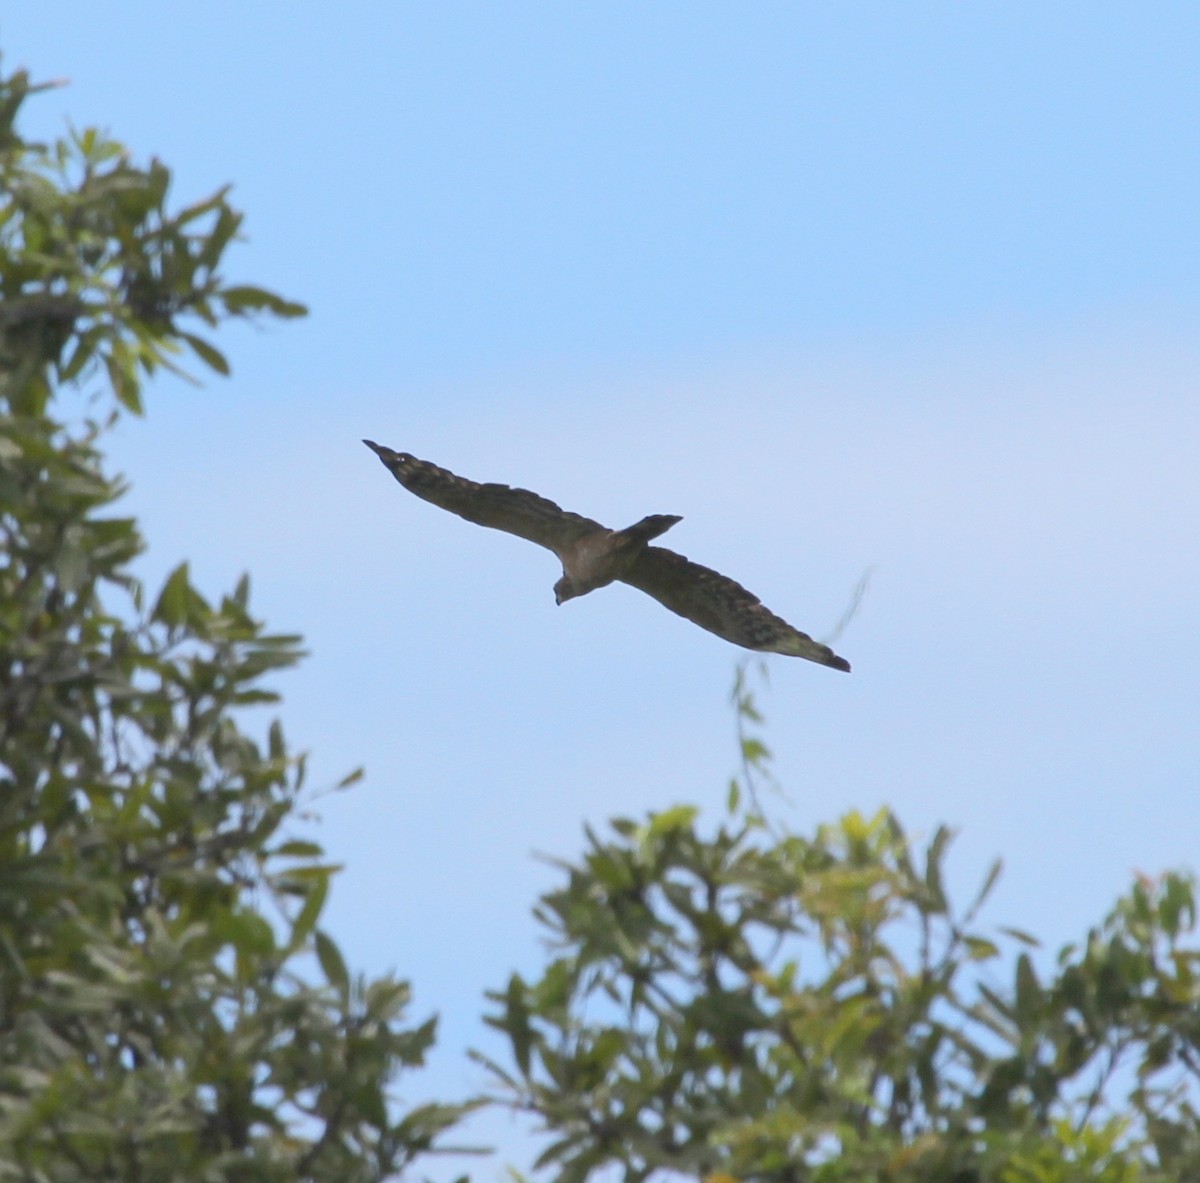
column 593, row 556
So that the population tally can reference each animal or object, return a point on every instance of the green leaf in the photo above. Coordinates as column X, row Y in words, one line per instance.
column 515, row 1021
column 172, row 605
column 314, row 902
column 1028, row 991
column 933, row 866
column 332, row 964
column 245, row 698
column 1019, row 934
column 298, row 849
column 240, row 300
column 249, row 933
column 670, row 821
column 124, row 381
column 989, row 882
column 205, row 206
column 980, row 949
column 213, row 358
column 213, row 246
column 754, row 751
column 83, row 352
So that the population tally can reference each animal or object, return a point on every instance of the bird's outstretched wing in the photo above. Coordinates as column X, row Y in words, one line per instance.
column 719, row 604
column 516, row 511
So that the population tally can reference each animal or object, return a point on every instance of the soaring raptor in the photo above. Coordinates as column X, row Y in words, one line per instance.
column 593, row 556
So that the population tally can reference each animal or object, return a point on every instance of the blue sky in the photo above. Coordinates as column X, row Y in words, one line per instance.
column 911, row 288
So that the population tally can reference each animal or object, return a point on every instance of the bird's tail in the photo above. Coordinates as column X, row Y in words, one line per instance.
column 650, row 527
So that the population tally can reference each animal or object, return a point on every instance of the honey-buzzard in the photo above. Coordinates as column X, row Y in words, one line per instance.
column 593, row 556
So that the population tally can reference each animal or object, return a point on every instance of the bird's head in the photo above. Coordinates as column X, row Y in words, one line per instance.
column 564, row 590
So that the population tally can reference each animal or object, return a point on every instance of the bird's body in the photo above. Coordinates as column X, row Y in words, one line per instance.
column 593, row 556
column 599, row 557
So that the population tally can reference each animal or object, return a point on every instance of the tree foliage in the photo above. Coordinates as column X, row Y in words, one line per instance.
column 750, row 1004
column 170, row 1007
column 731, row 1003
